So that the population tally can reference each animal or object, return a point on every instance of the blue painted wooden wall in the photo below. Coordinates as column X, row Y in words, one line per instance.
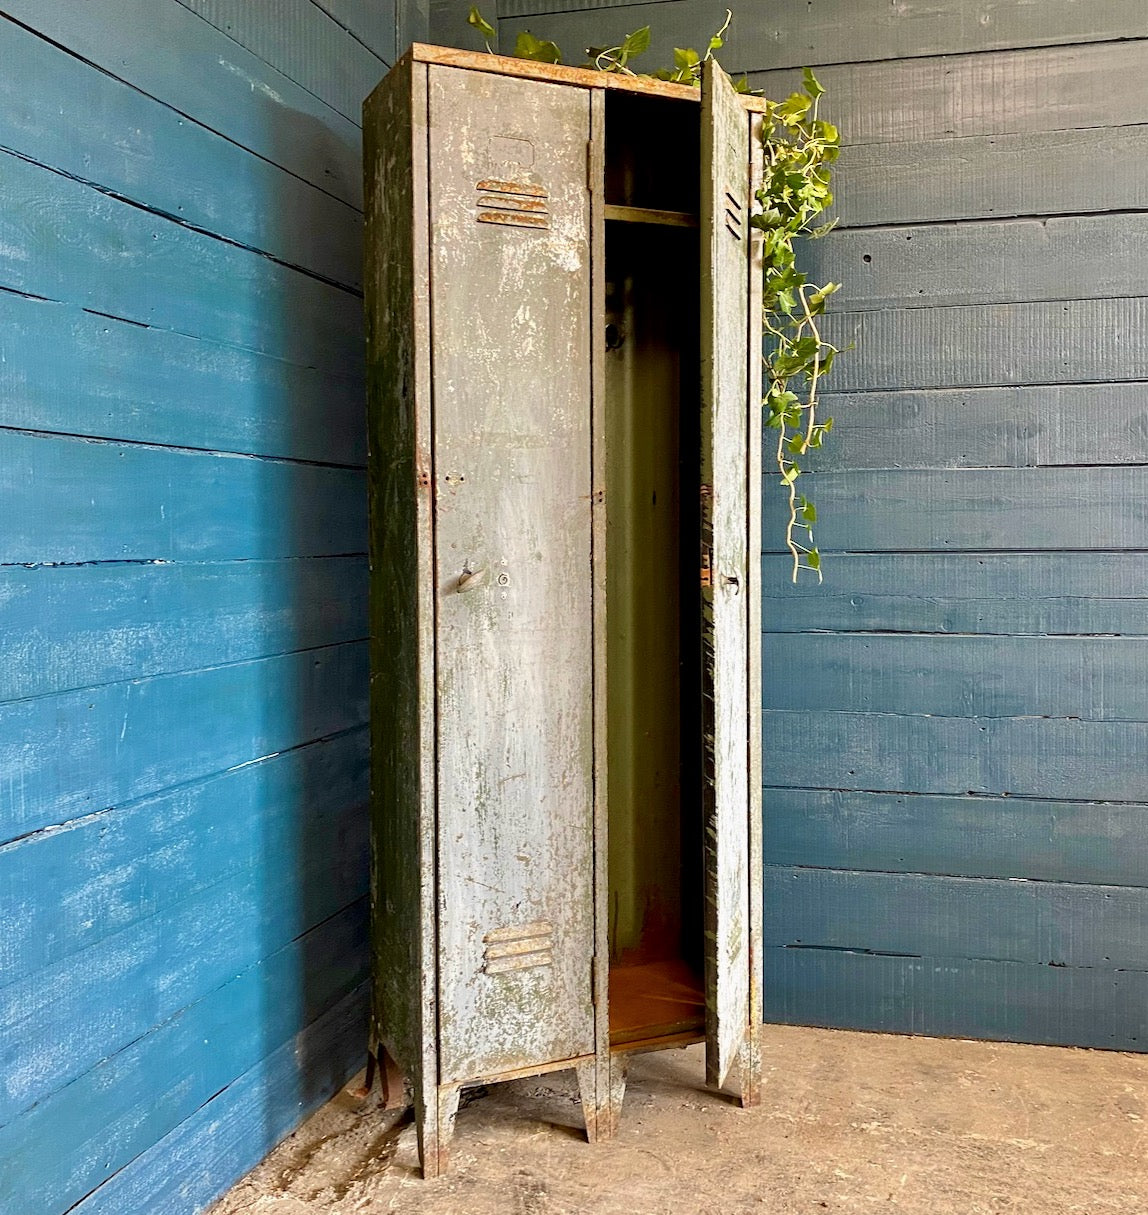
column 182, row 587
column 956, row 817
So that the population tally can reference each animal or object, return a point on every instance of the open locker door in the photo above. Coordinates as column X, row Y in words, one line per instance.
column 725, row 573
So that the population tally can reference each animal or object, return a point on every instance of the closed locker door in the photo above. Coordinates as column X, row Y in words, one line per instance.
column 510, row 290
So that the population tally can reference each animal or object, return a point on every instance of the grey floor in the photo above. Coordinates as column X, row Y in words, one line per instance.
column 851, row 1123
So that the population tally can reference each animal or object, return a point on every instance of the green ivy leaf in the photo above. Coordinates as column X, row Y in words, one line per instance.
column 808, row 510
column 636, row 43
column 685, row 58
column 812, row 84
column 526, row 46
column 479, row 22
column 814, row 559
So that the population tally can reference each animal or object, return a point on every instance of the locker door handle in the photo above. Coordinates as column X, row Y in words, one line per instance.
column 471, row 580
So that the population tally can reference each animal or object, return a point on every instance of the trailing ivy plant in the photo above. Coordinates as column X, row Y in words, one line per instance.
column 795, row 190
column 799, row 148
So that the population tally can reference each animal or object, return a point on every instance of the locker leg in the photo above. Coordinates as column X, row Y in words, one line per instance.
column 435, row 1111
column 587, row 1074
column 391, row 1078
column 364, row 1089
column 610, row 1109
column 749, row 1068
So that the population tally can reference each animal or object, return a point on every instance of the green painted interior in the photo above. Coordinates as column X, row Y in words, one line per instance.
column 653, row 654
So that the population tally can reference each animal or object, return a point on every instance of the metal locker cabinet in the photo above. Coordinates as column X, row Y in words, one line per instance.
column 487, row 253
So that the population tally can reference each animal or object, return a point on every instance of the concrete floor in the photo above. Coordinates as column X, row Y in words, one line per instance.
column 850, row 1123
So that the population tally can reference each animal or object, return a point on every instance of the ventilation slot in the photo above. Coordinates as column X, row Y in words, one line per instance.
column 521, row 947
column 733, row 216
column 512, row 203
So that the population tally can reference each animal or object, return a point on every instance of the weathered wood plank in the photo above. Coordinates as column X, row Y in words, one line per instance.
column 63, row 891
column 1050, row 424
column 300, row 39
column 163, row 162
column 196, row 1161
column 76, row 753
column 62, row 240
column 1023, row 757
column 1010, row 593
column 1029, row 90
column 956, row 997
column 973, row 509
column 832, row 31
column 1091, row 678
column 63, row 369
column 992, row 175
column 995, row 262
column 990, row 837
column 997, row 344
column 154, row 504
column 373, row 23
column 232, row 91
column 64, row 1146
column 77, row 626
column 922, row 915
column 139, row 977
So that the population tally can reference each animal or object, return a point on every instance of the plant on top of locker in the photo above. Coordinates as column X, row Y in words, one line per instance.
column 799, row 148
column 687, row 67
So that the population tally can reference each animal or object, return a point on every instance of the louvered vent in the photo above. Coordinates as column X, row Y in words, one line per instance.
column 519, row 947
column 513, row 203
column 733, row 215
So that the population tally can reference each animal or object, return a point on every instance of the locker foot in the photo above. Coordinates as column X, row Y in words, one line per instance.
column 391, row 1078
column 364, row 1089
column 435, row 1116
column 587, row 1074
column 610, row 1112
column 749, row 1070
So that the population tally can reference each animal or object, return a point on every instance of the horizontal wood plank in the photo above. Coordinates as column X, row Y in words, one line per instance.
column 63, row 1147
column 1091, row 678
column 299, row 39
column 66, row 370
column 161, row 161
column 1061, row 88
column 62, row 240
column 232, row 91
column 1067, row 341
column 79, row 626
column 984, row 176
column 1049, row 424
column 64, row 891
column 1022, row 757
column 77, row 753
column 922, row 915
column 987, row 837
column 155, row 504
column 373, row 23
column 831, row 31
column 955, row 997
column 995, row 262
column 59, row 1021
column 972, row 509
column 194, row 1163
column 1004, row 593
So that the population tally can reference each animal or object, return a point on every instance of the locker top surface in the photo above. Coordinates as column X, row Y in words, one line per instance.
column 586, row 78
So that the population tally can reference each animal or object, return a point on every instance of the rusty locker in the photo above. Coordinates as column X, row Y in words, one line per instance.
column 564, row 381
